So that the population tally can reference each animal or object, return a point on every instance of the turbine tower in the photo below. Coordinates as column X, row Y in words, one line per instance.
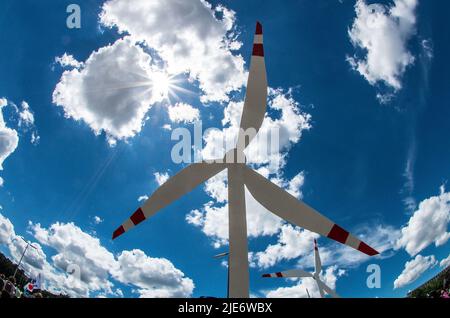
column 298, row 273
column 240, row 176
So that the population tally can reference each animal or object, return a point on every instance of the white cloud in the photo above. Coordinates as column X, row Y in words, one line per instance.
column 97, row 219
column 296, row 243
column 143, row 198
column 26, row 121
column 383, row 33
column 427, row 225
column 9, row 138
column 188, row 36
column 295, row 185
column 427, row 47
column 307, row 285
column 67, row 60
column 408, row 174
column 114, row 102
column 381, row 237
column 82, row 267
column 155, row 277
column 445, row 262
column 26, row 116
column 6, row 230
column 286, row 129
column 212, row 219
column 161, row 177
column 292, row 243
column 414, row 269
column 80, row 251
column 182, row 112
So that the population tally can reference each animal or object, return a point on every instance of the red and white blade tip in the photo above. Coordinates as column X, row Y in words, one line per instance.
column 258, row 47
column 137, row 217
column 340, row 235
column 259, row 29
column 118, row 232
column 278, row 274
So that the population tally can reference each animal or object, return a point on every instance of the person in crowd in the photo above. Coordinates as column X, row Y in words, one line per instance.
column 2, row 282
column 9, row 290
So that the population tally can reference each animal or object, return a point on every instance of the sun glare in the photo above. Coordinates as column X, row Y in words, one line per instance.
column 162, row 84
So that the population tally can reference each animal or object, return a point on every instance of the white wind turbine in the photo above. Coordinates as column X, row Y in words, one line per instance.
column 298, row 273
column 240, row 176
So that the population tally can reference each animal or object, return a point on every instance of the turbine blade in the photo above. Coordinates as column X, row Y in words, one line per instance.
column 286, row 206
column 221, row 255
column 317, row 262
column 327, row 289
column 256, row 93
column 291, row 273
column 322, row 293
column 182, row 183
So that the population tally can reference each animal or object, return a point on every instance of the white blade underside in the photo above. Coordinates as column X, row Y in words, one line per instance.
column 321, row 291
column 180, row 184
column 238, row 280
column 286, row 206
column 293, row 273
column 327, row 289
column 256, row 93
column 317, row 262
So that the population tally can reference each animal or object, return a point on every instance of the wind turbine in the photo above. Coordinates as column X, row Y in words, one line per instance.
column 240, row 176
column 323, row 288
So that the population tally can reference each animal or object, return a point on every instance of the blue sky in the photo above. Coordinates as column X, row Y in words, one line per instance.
column 368, row 147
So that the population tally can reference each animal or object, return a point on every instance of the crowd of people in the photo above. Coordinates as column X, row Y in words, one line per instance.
column 9, row 288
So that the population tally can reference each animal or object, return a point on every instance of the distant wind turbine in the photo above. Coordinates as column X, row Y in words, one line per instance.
column 298, row 273
column 272, row 197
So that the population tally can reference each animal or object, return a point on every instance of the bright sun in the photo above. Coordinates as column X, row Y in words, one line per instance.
column 162, row 83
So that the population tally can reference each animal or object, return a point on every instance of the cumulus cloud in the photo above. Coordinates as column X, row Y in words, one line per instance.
column 26, row 116
column 82, row 267
column 292, row 243
column 95, row 264
column 414, row 269
column 114, row 102
column 383, row 33
column 190, row 36
column 98, row 220
column 9, row 138
column 296, row 243
column 182, row 112
column 155, row 277
column 427, row 225
column 445, row 262
column 307, row 285
column 277, row 134
column 6, row 230
column 26, row 122
column 67, row 60
column 161, row 177
column 80, row 251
